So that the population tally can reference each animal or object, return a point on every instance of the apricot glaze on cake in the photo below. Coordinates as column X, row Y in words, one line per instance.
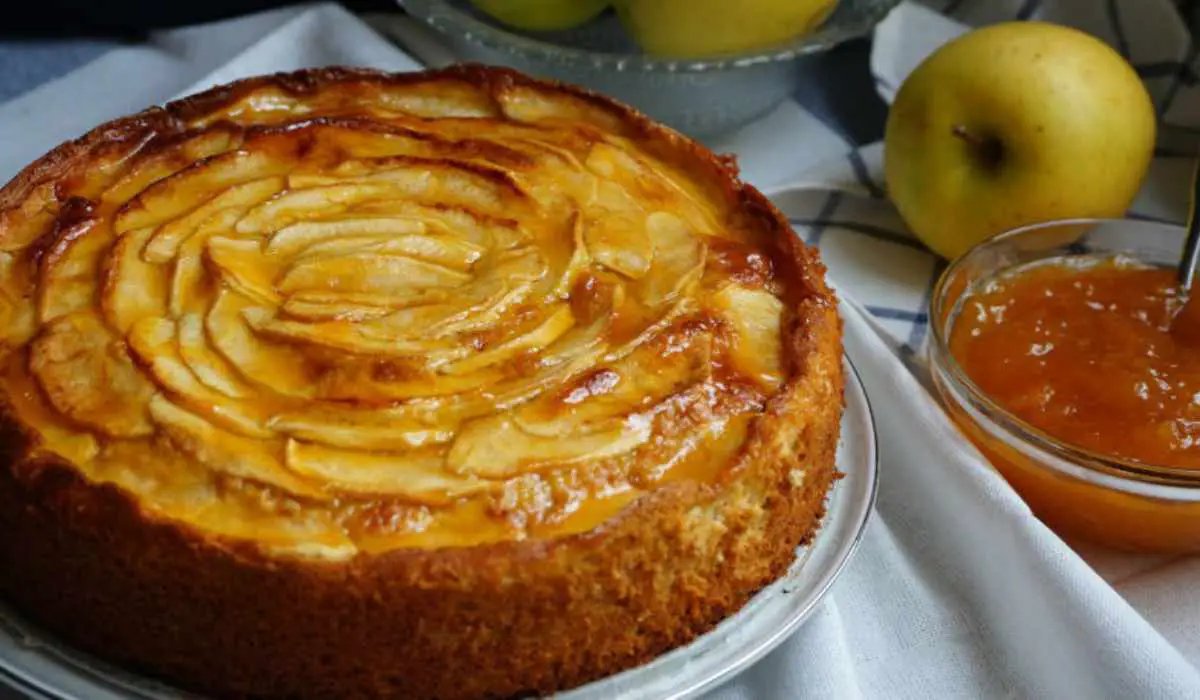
column 452, row 384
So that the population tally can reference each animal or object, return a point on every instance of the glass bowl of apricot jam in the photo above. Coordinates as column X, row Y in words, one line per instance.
column 1068, row 354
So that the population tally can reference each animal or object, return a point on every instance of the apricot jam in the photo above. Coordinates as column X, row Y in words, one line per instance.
column 1087, row 355
column 1083, row 349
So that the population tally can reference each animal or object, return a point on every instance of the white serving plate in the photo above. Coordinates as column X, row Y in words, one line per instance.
column 39, row 668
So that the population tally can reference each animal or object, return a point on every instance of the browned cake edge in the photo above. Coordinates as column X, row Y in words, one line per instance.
column 86, row 563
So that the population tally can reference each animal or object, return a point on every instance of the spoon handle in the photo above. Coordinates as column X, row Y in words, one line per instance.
column 1191, row 246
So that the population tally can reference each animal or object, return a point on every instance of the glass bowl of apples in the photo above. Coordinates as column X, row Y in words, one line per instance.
column 700, row 66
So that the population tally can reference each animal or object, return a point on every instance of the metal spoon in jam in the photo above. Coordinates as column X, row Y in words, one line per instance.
column 1186, row 325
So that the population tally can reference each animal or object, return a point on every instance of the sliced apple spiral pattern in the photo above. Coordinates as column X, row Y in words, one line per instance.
column 404, row 320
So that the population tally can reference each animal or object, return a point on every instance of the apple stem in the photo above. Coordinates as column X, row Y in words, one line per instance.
column 961, row 132
column 988, row 149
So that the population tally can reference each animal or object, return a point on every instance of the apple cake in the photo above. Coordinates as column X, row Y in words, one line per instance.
column 453, row 384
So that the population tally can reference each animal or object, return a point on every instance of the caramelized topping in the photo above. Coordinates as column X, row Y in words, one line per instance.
column 331, row 323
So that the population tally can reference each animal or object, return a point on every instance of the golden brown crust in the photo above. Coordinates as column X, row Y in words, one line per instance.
column 221, row 616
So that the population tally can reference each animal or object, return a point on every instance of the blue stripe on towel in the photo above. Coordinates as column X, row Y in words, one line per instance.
column 1114, row 20
column 875, row 232
column 1030, row 8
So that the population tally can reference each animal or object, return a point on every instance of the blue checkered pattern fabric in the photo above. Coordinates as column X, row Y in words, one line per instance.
column 874, row 259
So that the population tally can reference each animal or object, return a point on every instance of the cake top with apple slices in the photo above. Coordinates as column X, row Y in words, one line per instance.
column 338, row 312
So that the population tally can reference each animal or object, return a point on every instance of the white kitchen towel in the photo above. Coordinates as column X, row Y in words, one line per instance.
column 957, row 591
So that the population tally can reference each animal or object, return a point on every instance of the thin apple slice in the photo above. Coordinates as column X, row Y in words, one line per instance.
column 584, row 344
column 148, row 168
column 67, row 280
column 439, row 250
column 554, row 325
column 366, row 272
column 164, row 244
column 17, row 275
column 440, row 100
column 416, row 476
column 756, row 317
column 480, row 307
column 242, row 265
column 577, row 263
column 532, row 105
column 432, row 420
column 610, row 162
column 261, row 107
column 553, row 370
column 229, row 454
column 299, row 205
column 192, row 289
column 88, row 378
column 174, row 196
column 494, row 392
column 307, row 181
column 279, row 368
column 361, row 151
column 523, row 264
column 614, row 231
column 474, row 393
column 132, row 288
column 18, row 313
column 363, row 429
column 557, row 178
column 679, row 255
column 365, row 382
column 359, row 339
column 613, row 160
column 338, row 311
column 495, row 233
column 621, row 245
column 417, row 297
column 655, row 181
column 508, row 282
column 154, row 343
column 476, row 184
column 290, row 240
column 317, row 305
column 209, row 367
column 595, row 297
column 582, row 340
column 36, row 214
column 29, row 404
column 415, row 322
column 682, row 307
column 497, row 448
column 635, row 384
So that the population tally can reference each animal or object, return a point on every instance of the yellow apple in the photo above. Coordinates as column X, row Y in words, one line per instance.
column 695, row 28
column 1013, row 124
column 542, row 15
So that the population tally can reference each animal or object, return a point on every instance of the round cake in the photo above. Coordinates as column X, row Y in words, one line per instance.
column 454, row 384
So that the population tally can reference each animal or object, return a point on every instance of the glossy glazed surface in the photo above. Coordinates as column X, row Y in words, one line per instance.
column 350, row 327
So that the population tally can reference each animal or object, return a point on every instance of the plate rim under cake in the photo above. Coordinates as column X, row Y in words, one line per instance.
column 86, row 561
